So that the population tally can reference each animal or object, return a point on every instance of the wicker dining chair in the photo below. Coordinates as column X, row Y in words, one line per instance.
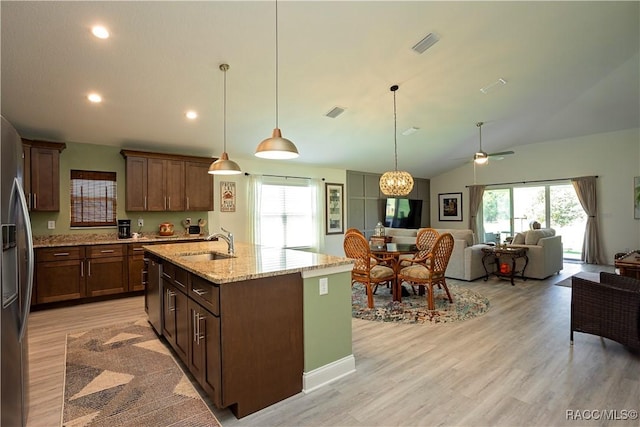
column 429, row 272
column 425, row 240
column 353, row 230
column 609, row 309
column 366, row 270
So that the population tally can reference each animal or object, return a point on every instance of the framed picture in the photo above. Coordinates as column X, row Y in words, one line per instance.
column 636, row 197
column 450, row 206
column 227, row 196
column 334, row 198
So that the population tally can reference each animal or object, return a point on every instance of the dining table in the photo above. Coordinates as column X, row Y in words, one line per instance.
column 390, row 254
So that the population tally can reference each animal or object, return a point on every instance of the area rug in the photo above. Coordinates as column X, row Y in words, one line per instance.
column 413, row 308
column 125, row 376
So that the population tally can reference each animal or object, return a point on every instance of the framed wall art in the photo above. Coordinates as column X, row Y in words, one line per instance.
column 334, row 200
column 227, row 196
column 636, row 197
column 450, row 206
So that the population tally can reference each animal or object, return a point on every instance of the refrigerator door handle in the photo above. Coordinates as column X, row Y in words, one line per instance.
column 17, row 189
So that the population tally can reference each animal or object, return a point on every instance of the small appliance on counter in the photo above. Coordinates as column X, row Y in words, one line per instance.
column 166, row 229
column 124, row 229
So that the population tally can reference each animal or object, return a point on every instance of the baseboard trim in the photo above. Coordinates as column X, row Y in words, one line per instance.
column 323, row 375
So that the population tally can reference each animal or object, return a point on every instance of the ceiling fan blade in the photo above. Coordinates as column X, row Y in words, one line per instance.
column 501, row 153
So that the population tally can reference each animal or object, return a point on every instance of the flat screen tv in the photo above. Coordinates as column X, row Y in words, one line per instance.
column 403, row 213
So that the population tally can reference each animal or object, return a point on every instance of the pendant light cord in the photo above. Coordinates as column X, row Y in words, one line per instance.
column 395, row 127
column 277, row 64
column 224, row 113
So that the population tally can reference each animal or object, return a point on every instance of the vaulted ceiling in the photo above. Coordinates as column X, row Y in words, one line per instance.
column 571, row 69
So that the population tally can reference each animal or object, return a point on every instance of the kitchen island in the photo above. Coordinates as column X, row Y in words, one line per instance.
column 256, row 327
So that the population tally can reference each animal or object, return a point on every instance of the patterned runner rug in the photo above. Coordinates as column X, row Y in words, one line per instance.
column 413, row 308
column 124, row 376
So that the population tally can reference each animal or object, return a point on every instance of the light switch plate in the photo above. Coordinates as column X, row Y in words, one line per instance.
column 324, row 285
column 51, row 225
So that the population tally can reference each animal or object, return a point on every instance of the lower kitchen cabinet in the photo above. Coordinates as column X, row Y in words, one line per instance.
column 204, row 351
column 106, row 270
column 175, row 326
column 59, row 274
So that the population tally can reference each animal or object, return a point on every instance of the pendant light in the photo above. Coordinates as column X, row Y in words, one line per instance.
column 396, row 183
column 224, row 166
column 481, row 157
column 276, row 147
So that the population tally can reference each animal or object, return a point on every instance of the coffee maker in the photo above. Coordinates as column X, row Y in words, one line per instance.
column 124, row 229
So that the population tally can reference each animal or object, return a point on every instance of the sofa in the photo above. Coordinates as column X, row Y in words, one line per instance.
column 466, row 259
column 544, row 252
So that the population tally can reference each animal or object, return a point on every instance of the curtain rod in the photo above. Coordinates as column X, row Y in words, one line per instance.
column 284, row 176
column 528, row 182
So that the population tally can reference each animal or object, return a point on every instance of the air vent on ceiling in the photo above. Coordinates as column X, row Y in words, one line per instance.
column 335, row 112
column 426, row 43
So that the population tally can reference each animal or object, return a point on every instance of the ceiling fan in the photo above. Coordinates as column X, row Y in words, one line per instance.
column 482, row 157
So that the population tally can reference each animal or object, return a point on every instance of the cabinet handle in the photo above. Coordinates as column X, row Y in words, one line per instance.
column 200, row 336
column 165, row 203
column 170, row 294
column 106, row 251
column 34, row 201
column 61, row 254
column 169, row 198
column 89, row 268
column 179, row 283
column 199, row 292
column 187, row 202
column 195, row 326
column 145, row 203
column 82, row 269
column 142, row 277
column 139, row 249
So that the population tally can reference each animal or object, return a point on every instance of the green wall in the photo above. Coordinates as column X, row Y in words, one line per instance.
column 327, row 320
column 107, row 159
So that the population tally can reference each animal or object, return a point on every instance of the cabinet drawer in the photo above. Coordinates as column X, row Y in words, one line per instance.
column 59, row 254
column 176, row 275
column 102, row 251
column 205, row 293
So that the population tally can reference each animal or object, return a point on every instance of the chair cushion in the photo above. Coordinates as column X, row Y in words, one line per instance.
column 380, row 272
column 532, row 236
column 417, row 271
column 518, row 239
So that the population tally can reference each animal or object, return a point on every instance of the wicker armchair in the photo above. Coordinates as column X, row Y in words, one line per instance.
column 609, row 309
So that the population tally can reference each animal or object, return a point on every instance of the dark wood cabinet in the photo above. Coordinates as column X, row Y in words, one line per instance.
column 106, row 270
column 166, row 182
column 239, row 335
column 42, row 174
column 59, row 274
column 198, row 186
column 136, row 267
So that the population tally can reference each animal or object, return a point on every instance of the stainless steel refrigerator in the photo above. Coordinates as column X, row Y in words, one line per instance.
column 16, row 268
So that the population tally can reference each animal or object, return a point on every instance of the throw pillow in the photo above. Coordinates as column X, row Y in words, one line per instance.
column 532, row 236
column 518, row 239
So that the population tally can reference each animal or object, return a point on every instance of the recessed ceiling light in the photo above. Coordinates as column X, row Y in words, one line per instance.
column 191, row 115
column 94, row 97
column 100, row 32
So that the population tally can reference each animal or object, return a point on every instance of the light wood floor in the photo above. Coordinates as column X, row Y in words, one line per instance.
column 511, row 367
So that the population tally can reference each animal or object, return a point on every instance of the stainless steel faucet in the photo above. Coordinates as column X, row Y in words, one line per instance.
column 226, row 237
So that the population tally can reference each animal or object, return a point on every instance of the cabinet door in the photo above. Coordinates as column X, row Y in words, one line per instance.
column 198, row 187
column 59, row 281
column 136, row 268
column 169, row 315
column 197, row 315
column 156, row 178
column 136, row 185
column 174, row 185
column 45, row 179
column 212, row 376
column 182, row 326
column 26, row 172
column 105, row 276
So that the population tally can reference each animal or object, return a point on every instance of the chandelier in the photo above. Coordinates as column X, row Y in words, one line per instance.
column 395, row 182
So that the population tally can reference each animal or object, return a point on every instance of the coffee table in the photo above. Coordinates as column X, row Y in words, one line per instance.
column 509, row 252
column 629, row 265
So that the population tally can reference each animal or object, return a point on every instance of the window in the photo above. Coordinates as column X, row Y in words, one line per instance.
column 506, row 211
column 93, row 198
column 285, row 213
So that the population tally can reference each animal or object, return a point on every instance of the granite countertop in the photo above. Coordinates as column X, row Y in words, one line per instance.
column 249, row 261
column 103, row 239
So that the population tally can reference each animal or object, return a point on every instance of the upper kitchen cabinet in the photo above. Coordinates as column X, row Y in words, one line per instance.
column 166, row 182
column 41, row 176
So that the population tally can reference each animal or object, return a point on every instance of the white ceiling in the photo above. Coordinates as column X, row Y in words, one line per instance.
column 572, row 68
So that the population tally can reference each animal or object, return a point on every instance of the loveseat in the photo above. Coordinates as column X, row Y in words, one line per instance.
column 466, row 259
column 544, row 252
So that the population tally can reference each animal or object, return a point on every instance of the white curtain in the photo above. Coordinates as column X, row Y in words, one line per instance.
column 255, row 189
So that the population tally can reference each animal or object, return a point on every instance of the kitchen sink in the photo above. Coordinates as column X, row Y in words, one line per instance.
column 207, row 256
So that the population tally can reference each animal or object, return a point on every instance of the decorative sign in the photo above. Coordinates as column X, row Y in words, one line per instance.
column 334, row 208
column 227, row 196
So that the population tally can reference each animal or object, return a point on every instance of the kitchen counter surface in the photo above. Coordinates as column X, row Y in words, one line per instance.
column 249, row 261
column 104, row 239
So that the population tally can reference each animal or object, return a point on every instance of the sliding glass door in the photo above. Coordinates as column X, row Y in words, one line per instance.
column 506, row 211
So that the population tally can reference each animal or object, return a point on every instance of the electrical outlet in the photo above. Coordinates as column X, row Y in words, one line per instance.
column 51, row 225
column 324, row 285
column 140, row 222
